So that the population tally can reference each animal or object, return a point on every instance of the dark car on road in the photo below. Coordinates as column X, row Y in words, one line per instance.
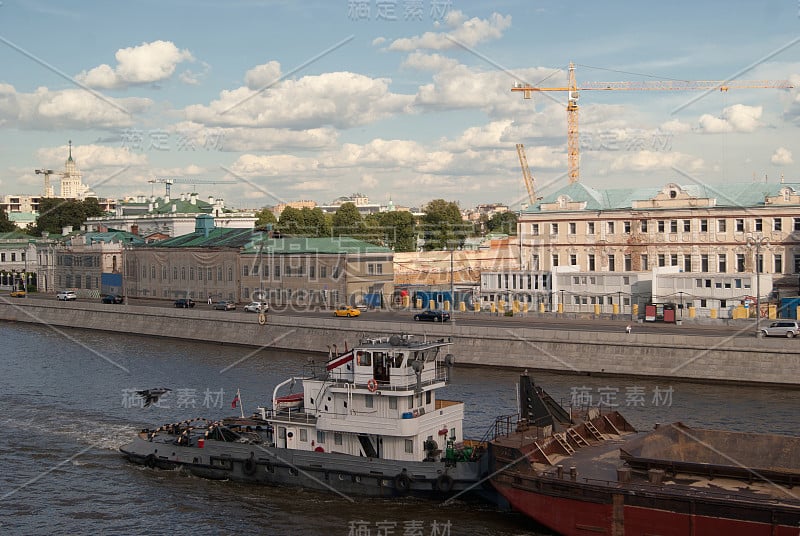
column 184, row 303
column 224, row 306
column 113, row 298
column 432, row 316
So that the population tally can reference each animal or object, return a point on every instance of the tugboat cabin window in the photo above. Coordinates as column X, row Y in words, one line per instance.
column 398, row 360
column 428, row 397
column 320, row 436
column 369, row 401
column 392, row 403
column 364, row 359
column 303, row 435
column 409, row 446
column 337, row 438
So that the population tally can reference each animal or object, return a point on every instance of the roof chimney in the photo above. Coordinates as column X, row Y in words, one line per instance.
column 204, row 223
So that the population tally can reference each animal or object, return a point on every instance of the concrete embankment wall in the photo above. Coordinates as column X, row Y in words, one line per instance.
column 734, row 359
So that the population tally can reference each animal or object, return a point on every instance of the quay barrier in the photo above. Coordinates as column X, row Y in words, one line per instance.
column 712, row 313
column 635, row 310
column 541, row 307
column 692, row 311
column 432, row 304
column 446, row 305
column 697, row 357
column 597, row 309
column 462, row 306
column 418, row 303
column 560, row 308
column 476, row 307
column 615, row 309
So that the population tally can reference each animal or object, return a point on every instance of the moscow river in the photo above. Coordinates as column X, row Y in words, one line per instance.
column 69, row 403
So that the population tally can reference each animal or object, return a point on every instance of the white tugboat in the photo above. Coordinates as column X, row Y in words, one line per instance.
column 370, row 424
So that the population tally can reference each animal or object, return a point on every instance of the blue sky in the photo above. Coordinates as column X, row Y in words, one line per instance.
column 405, row 99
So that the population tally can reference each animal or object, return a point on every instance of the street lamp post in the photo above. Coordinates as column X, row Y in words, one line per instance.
column 452, row 286
column 757, row 241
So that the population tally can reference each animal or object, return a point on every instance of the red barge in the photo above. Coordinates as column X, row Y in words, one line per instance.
column 594, row 473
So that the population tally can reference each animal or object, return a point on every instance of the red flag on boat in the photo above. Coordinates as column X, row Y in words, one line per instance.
column 338, row 361
column 235, row 400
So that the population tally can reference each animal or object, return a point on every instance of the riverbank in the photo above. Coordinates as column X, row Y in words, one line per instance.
column 699, row 358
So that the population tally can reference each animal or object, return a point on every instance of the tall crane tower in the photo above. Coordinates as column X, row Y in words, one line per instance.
column 573, row 92
column 169, row 182
column 526, row 173
column 48, row 188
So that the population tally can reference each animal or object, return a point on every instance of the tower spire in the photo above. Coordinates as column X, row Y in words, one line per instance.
column 70, row 149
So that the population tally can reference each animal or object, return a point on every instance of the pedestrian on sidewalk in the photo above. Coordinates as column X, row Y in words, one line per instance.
column 628, row 329
column 209, row 299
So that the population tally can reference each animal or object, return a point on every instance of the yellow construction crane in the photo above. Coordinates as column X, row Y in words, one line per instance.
column 526, row 173
column 572, row 89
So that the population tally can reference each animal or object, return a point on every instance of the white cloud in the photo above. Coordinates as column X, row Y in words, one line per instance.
column 70, row 108
column 429, row 62
column 143, row 64
column 461, row 32
column 369, row 181
column 675, row 126
column 338, row 99
column 238, row 139
column 378, row 41
column 736, row 118
column 263, row 75
column 91, row 157
column 654, row 160
column 782, row 157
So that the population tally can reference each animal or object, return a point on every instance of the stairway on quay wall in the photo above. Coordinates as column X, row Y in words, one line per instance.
column 725, row 359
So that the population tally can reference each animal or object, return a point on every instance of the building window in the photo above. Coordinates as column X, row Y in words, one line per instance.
column 660, row 226
column 535, row 262
column 591, row 263
column 553, row 228
column 673, row 260
column 535, row 229
column 209, row 274
column 721, row 226
column 739, row 225
column 703, row 226
column 777, row 224
column 687, row 226
column 175, row 273
column 687, row 263
column 723, row 263
column 703, row 263
column 312, row 271
column 555, row 259
column 796, row 266
column 627, row 261
column 662, row 259
column 590, row 227
column 573, row 260
column 191, row 273
column 740, row 262
column 323, row 271
column 230, row 274
column 797, row 224
column 777, row 260
column 673, row 226
column 152, row 272
column 645, row 263
column 759, row 224
column 760, row 263
column 611, row 263
column 610, row 227
column 643, row 225
column 245, row 270
column 572, row 228
column 219, row 273
column 183, row 273
column 200, row 273
column 626, row 226
column 164, row 273
column 88, row 281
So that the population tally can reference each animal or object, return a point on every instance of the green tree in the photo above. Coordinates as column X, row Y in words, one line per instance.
column 502, row 222
column 392, row 229
column 442, row 225
column 291, row 222
column 55, row 213
column 315, row 222
column 6, row 225
column 264, row 217
column 347, row 221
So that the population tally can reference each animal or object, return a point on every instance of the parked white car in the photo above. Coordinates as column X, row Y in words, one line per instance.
column 67, row 295
column 781, row 328
column 257, row 307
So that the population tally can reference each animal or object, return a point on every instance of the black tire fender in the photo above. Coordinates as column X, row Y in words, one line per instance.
column 402, row 483
column 249, row 466
column 444, row 483
column 150, row 461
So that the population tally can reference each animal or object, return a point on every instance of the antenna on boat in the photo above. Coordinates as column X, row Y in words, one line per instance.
column 418, row 365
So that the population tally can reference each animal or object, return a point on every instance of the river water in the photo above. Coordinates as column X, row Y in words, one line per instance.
column 67, row 408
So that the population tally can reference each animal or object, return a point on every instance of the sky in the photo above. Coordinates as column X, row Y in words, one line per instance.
column 401, row 100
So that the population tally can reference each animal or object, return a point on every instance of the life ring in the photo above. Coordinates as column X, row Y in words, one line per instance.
column 262, row 318
column 372, row 385
column 150, row 461
column 249, row 466
column 444, row 483
column 402, row 484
